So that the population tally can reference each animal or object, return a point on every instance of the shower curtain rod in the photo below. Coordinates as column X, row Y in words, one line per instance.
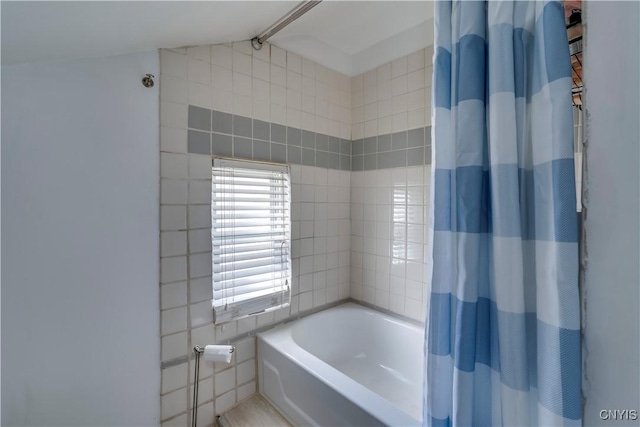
column 294, row 14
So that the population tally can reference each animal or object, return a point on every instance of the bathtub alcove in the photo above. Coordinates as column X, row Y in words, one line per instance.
column 344, row 366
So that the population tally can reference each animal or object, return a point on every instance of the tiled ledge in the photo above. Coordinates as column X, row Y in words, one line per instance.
column 253, row 332
column 235, row 339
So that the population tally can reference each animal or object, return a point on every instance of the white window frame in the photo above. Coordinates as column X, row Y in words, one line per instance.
column 270, row 287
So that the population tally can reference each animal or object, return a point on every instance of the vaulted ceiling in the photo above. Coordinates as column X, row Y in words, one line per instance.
column 347, row 36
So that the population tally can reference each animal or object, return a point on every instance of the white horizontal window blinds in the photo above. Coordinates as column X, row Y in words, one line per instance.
column 251, row 237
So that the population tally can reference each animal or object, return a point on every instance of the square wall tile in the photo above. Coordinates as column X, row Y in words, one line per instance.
column 415, row 156
column 201, row 313
column 242, row 126
column 199, row 167
column 173, row 403
column 198, row 142
column 206, row 413
column 203, row 335
column 278, row 153
column 178, row 421
column 242, row 147
column 173, row 64
column 200, row 240
column 174, row 377
column 199, row 192
column 174, row 346
column 199, row 118
column 200, row 289
column 205, row 392
column 294, row 155
column 225, row 402
column 173, row 140
column 173, row 295
column 246, row 371
column 261, row 130
column 221, row 144
column 221, row 55
column 200, row 265
column 173, row 320
column 173, row 269
column 247, row 390
column 222, row 122
column 173, row 218
column 246, row 349
column 173, row 115
column 173, row 243
column 278, row 133
column 225, row 381
column 261, row 150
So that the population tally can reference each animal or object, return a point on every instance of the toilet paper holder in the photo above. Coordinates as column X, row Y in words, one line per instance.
column 198, row 350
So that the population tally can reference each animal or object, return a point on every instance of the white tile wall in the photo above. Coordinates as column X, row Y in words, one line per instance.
column 389, row 207
column 358, row 234
column 270, row 85
column 220, row 386
column 274, row 86
column 320, row 224
column 389, row 244
column 394, row 97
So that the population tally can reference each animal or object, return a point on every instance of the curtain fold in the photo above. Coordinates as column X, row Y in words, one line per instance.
column 503, row 326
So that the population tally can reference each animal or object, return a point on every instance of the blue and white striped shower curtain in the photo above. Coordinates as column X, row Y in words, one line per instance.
column 503, row 327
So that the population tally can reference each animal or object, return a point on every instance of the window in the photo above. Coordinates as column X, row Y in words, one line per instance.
column 251, row 238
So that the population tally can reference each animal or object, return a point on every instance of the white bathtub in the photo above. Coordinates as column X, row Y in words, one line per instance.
column 345, row 366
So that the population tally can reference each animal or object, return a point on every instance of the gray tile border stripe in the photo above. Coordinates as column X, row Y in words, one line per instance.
column 212, row 132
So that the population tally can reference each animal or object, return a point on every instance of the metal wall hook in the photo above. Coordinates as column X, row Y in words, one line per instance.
column 147, row 80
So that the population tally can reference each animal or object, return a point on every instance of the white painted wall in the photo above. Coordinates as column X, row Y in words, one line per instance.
column 80, row 318
column 611, row 286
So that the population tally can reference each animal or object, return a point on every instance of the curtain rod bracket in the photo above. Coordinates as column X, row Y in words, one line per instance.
column 294, row 14
column 255, row 42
